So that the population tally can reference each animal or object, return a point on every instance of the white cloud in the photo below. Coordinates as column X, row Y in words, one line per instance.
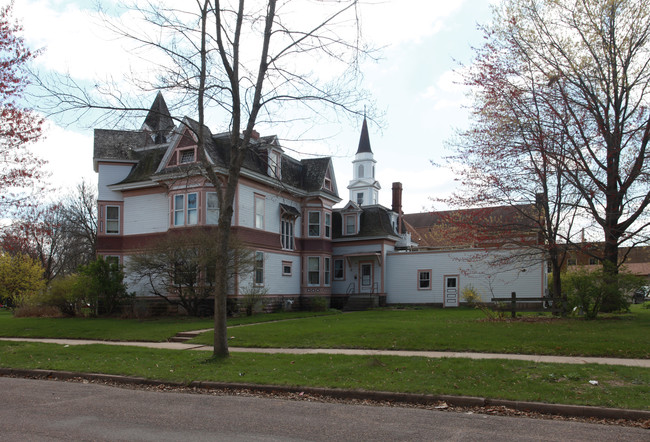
column 68, row 154
column 394, row 22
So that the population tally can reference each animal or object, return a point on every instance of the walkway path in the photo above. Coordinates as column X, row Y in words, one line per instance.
column 645, row 363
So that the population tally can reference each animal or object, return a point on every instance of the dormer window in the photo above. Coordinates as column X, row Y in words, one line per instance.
column 350, row 225
column 328, row 184
column 275, row 164
column 186, row 156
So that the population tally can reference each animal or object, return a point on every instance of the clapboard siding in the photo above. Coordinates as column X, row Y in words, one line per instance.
column 111, row 174
column 146, row 214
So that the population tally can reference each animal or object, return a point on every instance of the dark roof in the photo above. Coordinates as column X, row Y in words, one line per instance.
column 308, row 174
column 159, row 119
column 364, row 140
column 476, row 226
column 375, row 222
column 117, row 144
column 148, row 162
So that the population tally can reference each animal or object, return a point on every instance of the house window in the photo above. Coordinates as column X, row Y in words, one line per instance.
column 424, row 279
column 328, row 184
column 360, row 170
column 112, row 219
column 350, row 225
column 313, row 224
column 187, row 156
column 313, row 270
column 259, row 268
column 328, row 225
column 326, row 271
column 274, row 165
column 179, row 210
column 593, row 261
column 192, row 208
column 212, row 208
column 259, row 212
column 286, row 233
column 339, row 272
column 572, row 261
column 360, row 198
column 286, row 268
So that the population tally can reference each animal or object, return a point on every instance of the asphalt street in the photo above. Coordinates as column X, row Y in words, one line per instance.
column 44, row 410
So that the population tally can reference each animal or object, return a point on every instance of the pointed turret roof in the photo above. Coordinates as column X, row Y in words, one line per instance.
column 364, row 140
column 158, row 119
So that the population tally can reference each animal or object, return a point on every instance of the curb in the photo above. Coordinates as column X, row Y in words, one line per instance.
column 406, row 398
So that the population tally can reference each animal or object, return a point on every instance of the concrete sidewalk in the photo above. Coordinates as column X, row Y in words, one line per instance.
column 644, row 363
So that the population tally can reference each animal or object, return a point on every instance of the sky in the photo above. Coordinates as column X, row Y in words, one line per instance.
column 414, row 84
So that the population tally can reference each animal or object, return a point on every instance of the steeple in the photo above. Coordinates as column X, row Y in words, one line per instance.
column 159, row 120
column 364, row 140
column 364, row 189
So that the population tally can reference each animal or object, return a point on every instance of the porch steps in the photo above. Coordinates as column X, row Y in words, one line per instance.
column 185, row 336
column 358, row 303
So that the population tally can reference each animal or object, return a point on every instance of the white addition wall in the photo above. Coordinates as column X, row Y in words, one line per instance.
column 111, row 174
column 146, row 214
column 524, row 275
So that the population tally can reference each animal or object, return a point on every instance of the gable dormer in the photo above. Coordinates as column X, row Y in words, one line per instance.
column 350, row 219
column 182, row 149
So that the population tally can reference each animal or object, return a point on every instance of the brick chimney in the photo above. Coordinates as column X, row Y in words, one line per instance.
column 397, row 204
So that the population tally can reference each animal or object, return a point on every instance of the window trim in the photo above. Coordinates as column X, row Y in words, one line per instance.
column 183, row 151
column 260, row 202
column 195, row 209
column 345, row 224
column 309, row 224
column 327, row 271
column 309, row 271
column 208, row 210
column 175, row 209
column 328, row 225
column 285, row 265
column 116, row 220
column 285, row 236
column 342, row 277
column 258, row 268
column 421, row 272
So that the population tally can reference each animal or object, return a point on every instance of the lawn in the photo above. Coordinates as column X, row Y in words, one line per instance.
column 111, row 329
column 454, row 330
column 620, row 387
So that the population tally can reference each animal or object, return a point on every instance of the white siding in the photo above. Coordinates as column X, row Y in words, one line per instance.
column 246, row 205
column 146, row 214
column 111, row 174
column 527, row 279
column 274, row 282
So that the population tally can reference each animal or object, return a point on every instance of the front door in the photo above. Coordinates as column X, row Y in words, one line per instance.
column 451, row 291
column 365, row 284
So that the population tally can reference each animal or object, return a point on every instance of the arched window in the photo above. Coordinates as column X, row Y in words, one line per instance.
column 360, row 170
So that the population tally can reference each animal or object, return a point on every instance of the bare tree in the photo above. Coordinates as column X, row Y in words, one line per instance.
column 594, row 58
column 247, row 60
column 180, row 268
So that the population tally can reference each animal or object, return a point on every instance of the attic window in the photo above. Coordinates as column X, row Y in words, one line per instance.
column 328, row 184
column 275, row 165
column 187, row 156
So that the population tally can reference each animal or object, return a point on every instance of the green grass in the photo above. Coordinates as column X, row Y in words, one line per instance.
column 620, row 387
column 111, row 329
column 454, row 330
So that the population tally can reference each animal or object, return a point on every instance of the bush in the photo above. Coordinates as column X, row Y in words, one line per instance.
column 587, row 291
column 318, row 304
column 470, row 295
column 646, row 305
column 67, row 294
column 253, row 295
column 102, row 283
column 21, row 278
